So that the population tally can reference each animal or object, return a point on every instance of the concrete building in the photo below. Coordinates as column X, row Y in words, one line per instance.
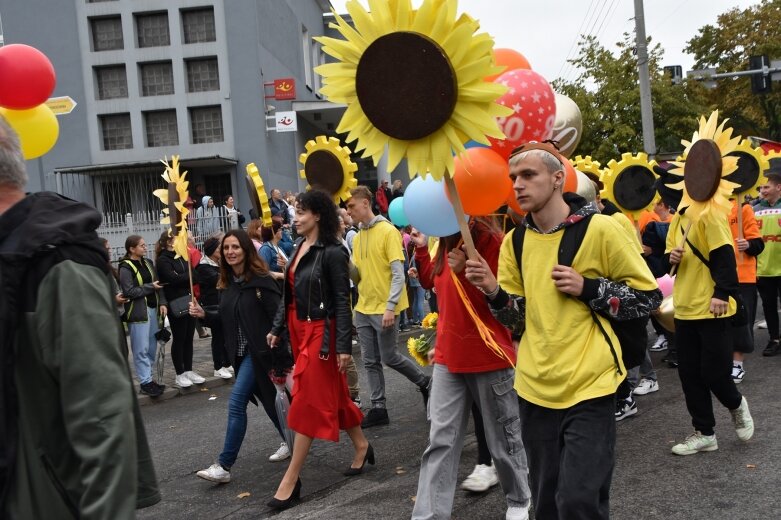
column 152, row 79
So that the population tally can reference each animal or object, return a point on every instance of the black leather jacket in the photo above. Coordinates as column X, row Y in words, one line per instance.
column 322, row 292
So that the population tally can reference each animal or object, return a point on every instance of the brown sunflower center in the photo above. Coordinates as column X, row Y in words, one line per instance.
column 324, row 171
column 634, row 188
column 175, row 216
column 406, row 85
column 702, row 170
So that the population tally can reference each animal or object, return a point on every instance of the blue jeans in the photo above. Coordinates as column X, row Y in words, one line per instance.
column 242, row 391
column 417, row 305
column 144, row 345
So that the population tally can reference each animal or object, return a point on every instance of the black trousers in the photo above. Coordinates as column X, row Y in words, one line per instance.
column 219, row 354
column 571, row 454
column 769, row 290
column 705, row 366
column 182, row 330
column 743, row 336
column 483, row 453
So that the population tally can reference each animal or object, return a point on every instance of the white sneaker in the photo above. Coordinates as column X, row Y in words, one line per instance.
column 230, row 369
column 741, row 418
column 695, row 443
column 281, row 454
column 646, row 386
column 215, row 473
column 223, row 373
column 195, row 378
column 481, row 479
column 761, row 324
column 182, row 381
column 517, row 513
column 660, row 345
column 738, row 373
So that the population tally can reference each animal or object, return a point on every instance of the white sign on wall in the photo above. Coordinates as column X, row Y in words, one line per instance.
column 286, row 121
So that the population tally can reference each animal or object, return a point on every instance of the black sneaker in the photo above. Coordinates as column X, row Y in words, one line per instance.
column 151, row 389
column 773, row 348
column 424, row 391
column 671, row 359
column 375, row 417
column 158, row 385
column 625, row 408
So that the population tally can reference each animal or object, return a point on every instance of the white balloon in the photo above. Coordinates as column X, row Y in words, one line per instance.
column 568, row 127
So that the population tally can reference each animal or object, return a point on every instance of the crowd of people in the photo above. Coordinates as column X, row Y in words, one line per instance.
column 287, row 303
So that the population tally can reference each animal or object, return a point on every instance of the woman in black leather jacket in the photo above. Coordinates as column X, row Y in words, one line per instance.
column 249, row 300
column 316, row 312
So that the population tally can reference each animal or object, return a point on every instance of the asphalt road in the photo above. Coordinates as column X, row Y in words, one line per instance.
column 739, row 481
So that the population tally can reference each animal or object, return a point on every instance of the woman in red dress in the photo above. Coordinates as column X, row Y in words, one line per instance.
column 316, row 313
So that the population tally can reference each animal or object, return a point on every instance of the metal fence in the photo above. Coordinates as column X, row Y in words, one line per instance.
column 116, row 228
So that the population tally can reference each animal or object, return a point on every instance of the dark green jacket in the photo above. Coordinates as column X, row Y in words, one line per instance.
column 81, row 447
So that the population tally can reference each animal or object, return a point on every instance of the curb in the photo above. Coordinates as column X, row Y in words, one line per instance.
column 174, row 391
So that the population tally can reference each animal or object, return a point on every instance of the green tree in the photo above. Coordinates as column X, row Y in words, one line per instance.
column 608, row 94
column 727, row 46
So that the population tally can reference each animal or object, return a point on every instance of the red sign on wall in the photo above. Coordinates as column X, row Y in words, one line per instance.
column 285, row 88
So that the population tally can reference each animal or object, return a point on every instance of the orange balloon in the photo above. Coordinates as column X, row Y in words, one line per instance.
column 570, row 177
column 510, row 59
column 482, row 180
column 512, row 203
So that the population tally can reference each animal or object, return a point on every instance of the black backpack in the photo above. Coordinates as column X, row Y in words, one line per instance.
column 632, row 334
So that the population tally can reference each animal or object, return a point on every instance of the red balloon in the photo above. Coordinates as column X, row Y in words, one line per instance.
column 482, row 179
column 534, row 110
column 510, row 59
column 26, row 77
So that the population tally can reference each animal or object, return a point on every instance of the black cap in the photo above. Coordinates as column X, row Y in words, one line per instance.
column 774, row 170
column 210, row 246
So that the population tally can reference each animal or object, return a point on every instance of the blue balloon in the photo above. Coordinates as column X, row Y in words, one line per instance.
column 474, row 144
column 428, row 209
column 396, row 212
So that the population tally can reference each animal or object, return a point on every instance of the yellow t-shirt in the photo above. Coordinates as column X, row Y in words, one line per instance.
column 694, row 286
column 374, row 249
column 563, row 359
column 627, row 225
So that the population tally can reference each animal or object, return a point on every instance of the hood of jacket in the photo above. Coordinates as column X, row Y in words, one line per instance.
column 205, row 201
column 579, row 208
column 46, row 220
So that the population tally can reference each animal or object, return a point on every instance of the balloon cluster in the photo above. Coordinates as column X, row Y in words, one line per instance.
column 26, row 81
column 482, row 174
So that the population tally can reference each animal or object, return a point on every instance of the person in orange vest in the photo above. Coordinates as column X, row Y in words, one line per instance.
column 746, row 251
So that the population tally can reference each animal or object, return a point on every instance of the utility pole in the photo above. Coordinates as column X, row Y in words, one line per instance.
column 646, row 110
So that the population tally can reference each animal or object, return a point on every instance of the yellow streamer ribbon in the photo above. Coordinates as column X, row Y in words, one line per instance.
column 485, row 332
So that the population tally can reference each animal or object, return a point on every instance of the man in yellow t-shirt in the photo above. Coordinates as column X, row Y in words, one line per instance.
column 378, row 257
column 566, row 375
column 704, row 293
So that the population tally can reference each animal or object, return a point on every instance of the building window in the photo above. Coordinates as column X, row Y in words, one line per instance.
column 206, row 124
column 111, row 81
column 307, row 56
column 106, row 33
column 116, row 131
column 202, row 75
column 157, row 79
column 98, row 1
column 161, row 128
column 198, row 25
column 152, row 29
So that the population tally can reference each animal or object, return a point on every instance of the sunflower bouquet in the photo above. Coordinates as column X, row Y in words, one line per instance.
column 420, row 347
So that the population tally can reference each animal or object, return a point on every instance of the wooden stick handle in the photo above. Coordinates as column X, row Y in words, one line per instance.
column 740, row 227
column 190, row 273
column 682, row 246
column 471, row 252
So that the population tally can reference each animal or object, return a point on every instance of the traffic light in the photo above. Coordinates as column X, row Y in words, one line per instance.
column 760, row 83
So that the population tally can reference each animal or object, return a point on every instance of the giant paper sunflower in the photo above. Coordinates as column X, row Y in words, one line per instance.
column 630, row 183
column 174, row 197
column 752, row 162
column 327, row 166
column 705, row 197
column 257, row 195
column 412, row 80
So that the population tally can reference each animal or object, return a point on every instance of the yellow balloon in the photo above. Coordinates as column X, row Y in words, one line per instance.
column 36, row 127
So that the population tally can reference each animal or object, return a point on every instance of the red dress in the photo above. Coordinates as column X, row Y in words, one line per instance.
column 321, row 404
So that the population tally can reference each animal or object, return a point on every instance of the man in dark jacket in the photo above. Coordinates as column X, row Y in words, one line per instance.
column 72, row 443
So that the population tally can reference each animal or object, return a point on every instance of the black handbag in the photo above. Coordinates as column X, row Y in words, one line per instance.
column 180, row 307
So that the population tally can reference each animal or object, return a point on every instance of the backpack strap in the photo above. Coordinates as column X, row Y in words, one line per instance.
column 696, row 251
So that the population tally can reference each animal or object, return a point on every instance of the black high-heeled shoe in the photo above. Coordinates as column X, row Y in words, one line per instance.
column 351, row 471
column 289, row 502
